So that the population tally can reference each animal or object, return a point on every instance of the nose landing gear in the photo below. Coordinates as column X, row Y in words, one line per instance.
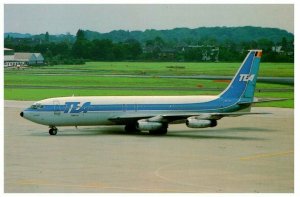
column 53, row 131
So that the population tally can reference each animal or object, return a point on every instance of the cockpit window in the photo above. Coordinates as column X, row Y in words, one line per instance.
column 33, row 107
column 36, row 106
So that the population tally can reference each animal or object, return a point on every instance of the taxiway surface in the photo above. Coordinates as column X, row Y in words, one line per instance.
column 242, row 154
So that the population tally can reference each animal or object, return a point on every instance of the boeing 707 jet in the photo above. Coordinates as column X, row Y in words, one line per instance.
column 151, row 113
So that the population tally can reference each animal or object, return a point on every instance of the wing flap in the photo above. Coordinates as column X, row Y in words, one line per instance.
column 123, row 120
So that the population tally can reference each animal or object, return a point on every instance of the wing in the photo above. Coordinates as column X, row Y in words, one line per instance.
column 168, row 118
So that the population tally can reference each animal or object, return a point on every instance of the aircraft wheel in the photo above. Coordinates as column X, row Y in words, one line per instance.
column 53, row 131
column 131, row 129
column 214, row 123
column 162, row 131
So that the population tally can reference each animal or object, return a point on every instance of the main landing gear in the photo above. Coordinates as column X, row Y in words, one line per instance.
column 162, row 131
column 131, row 128
column 53, row 130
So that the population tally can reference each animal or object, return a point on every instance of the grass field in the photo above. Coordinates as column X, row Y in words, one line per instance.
column 38, row 94
column 161, row 68
column 76, row 81
column 27, row 85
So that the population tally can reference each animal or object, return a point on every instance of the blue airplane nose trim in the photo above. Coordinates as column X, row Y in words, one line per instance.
column 22, row 114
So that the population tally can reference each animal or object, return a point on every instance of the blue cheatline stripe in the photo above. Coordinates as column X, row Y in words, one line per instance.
column 211, row 106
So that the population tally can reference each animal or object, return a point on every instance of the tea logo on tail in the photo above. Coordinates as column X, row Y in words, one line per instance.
column 246, row 77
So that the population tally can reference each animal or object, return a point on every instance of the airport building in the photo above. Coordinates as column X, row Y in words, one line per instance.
column 14, row 59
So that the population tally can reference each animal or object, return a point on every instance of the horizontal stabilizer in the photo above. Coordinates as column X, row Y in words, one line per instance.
column 263, row 100
column 217, row 116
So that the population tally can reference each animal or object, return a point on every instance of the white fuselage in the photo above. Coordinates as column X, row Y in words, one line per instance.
column 111, row 107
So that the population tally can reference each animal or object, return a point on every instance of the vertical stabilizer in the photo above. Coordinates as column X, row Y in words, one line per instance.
column 243, row 84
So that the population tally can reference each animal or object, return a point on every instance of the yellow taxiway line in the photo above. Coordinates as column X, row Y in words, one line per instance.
column 266, row 155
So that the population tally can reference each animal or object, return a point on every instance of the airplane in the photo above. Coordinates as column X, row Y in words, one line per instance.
column 152, row 113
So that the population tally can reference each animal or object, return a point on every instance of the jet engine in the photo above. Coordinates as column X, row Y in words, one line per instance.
column 145, row 125
column 193, row 122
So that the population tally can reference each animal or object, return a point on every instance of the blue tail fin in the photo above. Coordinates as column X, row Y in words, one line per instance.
column 243, row 84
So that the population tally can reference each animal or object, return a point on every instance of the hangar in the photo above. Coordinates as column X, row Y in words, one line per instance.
column 13, row 59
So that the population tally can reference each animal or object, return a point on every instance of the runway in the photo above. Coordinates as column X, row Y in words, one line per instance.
column 242, row 154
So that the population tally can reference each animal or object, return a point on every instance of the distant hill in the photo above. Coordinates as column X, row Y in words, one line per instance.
column 53, row 38
column 17, row 35
column 237, row 34
column 178, row 35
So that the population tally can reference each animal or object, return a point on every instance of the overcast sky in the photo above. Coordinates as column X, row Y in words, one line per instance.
column 58, row 19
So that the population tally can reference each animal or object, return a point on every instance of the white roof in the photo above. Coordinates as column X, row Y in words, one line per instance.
column 39, row 56
column 9, row 57
column 25, row 56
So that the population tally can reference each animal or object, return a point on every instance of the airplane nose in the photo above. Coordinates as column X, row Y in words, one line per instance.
column 22, row 114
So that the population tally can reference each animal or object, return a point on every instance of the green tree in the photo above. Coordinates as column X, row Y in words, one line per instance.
column 79, row 49
column 133, row 49
column 102, row 50
column 284, row 43
column 80, row 35
column 47, row 37
column 8, row 42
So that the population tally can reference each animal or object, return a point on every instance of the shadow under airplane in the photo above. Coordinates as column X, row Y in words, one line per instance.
column 190, row 134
